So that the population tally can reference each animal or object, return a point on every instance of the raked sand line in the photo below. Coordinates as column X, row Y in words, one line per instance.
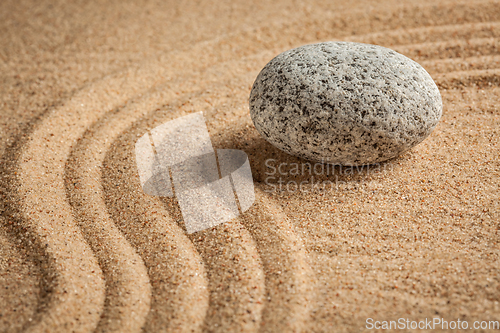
column 42, row 163
column 87, row 176
column 127, row 294
column 455, row 57
column 289, row 295
column 175, row 307
column 18, row 267
column 177, row 274
column 430, row 34
column 231, row 259
column 77, row 296
column 235, row 275
column 244, row 282
column 74, row 277
column 479, row 78
column 444, row 66
column 128, row 291
column 24, row 243
column 451, row 49
column 221, row 317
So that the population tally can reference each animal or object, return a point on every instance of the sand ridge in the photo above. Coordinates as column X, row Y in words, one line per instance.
column 418, row 239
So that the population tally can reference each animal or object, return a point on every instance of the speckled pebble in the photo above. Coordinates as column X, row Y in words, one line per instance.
column 344, row 103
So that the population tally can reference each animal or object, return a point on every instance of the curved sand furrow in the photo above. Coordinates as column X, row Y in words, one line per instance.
column 443, row 66
column 289, row 308
column 289, row 295
column 19, row 281
column 128, row 291
column 176, row 271
column 243, row 284
column 243, row 312
column 177, row 275
column 74, row 274
column 451, row 49
column 25, row 244
column 46, row 155
column 127, row 301
column 232, row 262
column 87, row 176
column 74, row 278
column 78, row 289
column 235, row 275
column 478, row 78
column 431, row 34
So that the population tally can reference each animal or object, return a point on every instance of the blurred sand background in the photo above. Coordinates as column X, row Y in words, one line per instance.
column 82, row 249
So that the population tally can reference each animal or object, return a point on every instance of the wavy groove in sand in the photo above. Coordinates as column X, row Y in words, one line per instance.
column 444, row 66
column 451, row 49
column 289, row 294
column 127, row 284
column 431, row 34
column 88, row 199
column 239, row 284
column 456, row 55
column 74, row 273
column 47, row 212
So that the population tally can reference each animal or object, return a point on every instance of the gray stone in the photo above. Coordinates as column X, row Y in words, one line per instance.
column 344, row 103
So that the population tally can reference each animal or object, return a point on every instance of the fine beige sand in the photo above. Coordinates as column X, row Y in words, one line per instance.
column 83, row 249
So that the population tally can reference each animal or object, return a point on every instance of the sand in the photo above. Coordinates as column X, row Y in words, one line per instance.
column 83, row 249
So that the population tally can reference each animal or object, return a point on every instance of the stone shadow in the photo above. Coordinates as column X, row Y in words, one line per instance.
column 271, row 166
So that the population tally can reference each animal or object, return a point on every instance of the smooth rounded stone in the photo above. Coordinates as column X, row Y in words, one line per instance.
column 344, row 103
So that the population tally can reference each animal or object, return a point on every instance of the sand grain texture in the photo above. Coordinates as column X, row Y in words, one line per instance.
column 83, row 249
